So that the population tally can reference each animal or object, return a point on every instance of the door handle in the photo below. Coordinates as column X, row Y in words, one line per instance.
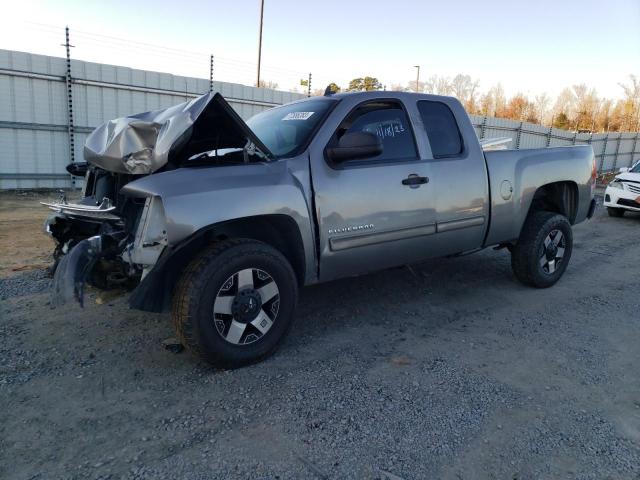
column 414, row 180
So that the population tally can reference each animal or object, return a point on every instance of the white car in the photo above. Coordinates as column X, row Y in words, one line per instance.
column 624, row 192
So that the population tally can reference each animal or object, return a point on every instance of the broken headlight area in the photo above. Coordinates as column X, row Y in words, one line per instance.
column 99, row 205
column 150, row 237
column 119, row 255
column 107, row 244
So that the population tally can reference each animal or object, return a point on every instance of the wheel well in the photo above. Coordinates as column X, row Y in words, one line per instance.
column 279, row 231
column 559, row 197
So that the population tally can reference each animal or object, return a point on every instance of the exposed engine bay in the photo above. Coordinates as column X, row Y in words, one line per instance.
column 101, row 239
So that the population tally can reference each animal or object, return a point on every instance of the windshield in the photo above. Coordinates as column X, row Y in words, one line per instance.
column 285, row 130
column 636, row 168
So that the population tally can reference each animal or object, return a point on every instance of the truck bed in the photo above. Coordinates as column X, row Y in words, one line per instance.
column 514, row 176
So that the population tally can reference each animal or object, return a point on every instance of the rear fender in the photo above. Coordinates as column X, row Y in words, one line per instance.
column 516, row 175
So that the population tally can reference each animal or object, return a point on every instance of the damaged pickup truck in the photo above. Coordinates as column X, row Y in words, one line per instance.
column 221, row 221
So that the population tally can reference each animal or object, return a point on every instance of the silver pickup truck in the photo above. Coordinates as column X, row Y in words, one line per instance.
column 222, row 221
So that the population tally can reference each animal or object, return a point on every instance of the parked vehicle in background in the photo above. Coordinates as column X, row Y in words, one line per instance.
column 623, row 193
column 222, row 221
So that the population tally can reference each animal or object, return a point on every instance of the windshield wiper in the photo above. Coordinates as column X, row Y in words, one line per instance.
column 199, row 156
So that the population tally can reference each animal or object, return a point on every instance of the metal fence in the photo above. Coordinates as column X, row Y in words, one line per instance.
column 48, row 106
column 612, row 150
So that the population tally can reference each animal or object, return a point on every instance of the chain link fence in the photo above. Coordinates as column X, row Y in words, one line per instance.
column 612, row 150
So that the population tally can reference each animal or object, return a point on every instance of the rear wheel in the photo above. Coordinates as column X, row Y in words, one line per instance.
column 615, row 212
column 543, row 250
column 235, row 302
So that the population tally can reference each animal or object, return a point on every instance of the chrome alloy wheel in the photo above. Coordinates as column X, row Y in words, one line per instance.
column 552, row 251
column 246, row 306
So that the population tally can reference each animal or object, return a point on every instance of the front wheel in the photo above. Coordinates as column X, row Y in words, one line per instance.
column 235, row 303
column 615, row 212
column 543, row 250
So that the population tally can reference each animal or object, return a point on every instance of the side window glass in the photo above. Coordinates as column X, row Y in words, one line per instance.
column 391, row 125
column 442, row 129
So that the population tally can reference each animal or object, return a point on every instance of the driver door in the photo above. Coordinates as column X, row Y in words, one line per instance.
column 376, row 212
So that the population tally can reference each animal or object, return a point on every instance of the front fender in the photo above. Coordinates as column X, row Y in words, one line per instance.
column 197, row 199
column 194, row 198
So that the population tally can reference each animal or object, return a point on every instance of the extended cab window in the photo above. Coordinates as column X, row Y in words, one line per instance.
column 442, row 129
column 390, row 123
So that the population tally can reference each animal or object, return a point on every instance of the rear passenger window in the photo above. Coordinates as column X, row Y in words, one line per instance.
column 442, row 129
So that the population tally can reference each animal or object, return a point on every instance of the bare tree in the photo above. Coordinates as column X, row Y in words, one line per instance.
column 632, row 103
column 438, row 85
column 542, row 103
column 412, row 87
column 397, row 87
column 585, row 106
column 565, row 103
column 578, row 107
column 603, row 117
column 462, row 87
column 268, row 84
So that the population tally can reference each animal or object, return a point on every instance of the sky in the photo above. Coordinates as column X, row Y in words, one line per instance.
column 529, row 47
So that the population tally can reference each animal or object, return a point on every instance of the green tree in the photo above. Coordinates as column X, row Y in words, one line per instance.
column 333, row 87
column 562, row 121
column 365, row 84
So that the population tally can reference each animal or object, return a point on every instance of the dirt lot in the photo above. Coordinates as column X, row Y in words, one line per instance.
column 449, row 370
column 23, row 244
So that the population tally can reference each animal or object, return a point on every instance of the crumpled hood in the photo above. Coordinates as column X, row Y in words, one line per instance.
column 145, row 142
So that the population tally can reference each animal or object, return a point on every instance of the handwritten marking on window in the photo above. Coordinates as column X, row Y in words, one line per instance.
column 386, row 129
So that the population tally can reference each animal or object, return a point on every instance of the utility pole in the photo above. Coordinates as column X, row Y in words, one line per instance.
column 211, row 75
column 309, row 86
column 260, row 41
column 70, row 127
column 417, row 67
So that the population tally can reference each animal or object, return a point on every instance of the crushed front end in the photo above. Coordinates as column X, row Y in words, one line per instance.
column 106, row 239
column 113, row 236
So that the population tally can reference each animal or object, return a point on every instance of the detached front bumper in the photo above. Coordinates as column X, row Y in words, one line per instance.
column 105, row 250
column 621, row 198
column 73, row 271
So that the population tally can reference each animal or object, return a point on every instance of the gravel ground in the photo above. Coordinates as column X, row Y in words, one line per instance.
column 450, row 369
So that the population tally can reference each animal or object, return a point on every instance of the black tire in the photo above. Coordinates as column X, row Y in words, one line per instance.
column 615, row 212
column 528, row 253
column 197, row 325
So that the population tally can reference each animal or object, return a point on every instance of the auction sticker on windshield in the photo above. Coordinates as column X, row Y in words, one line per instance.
column 298, row 115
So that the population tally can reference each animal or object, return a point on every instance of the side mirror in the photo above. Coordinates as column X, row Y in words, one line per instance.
column 78, row 169
column 354, row 146
column 624, row 170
